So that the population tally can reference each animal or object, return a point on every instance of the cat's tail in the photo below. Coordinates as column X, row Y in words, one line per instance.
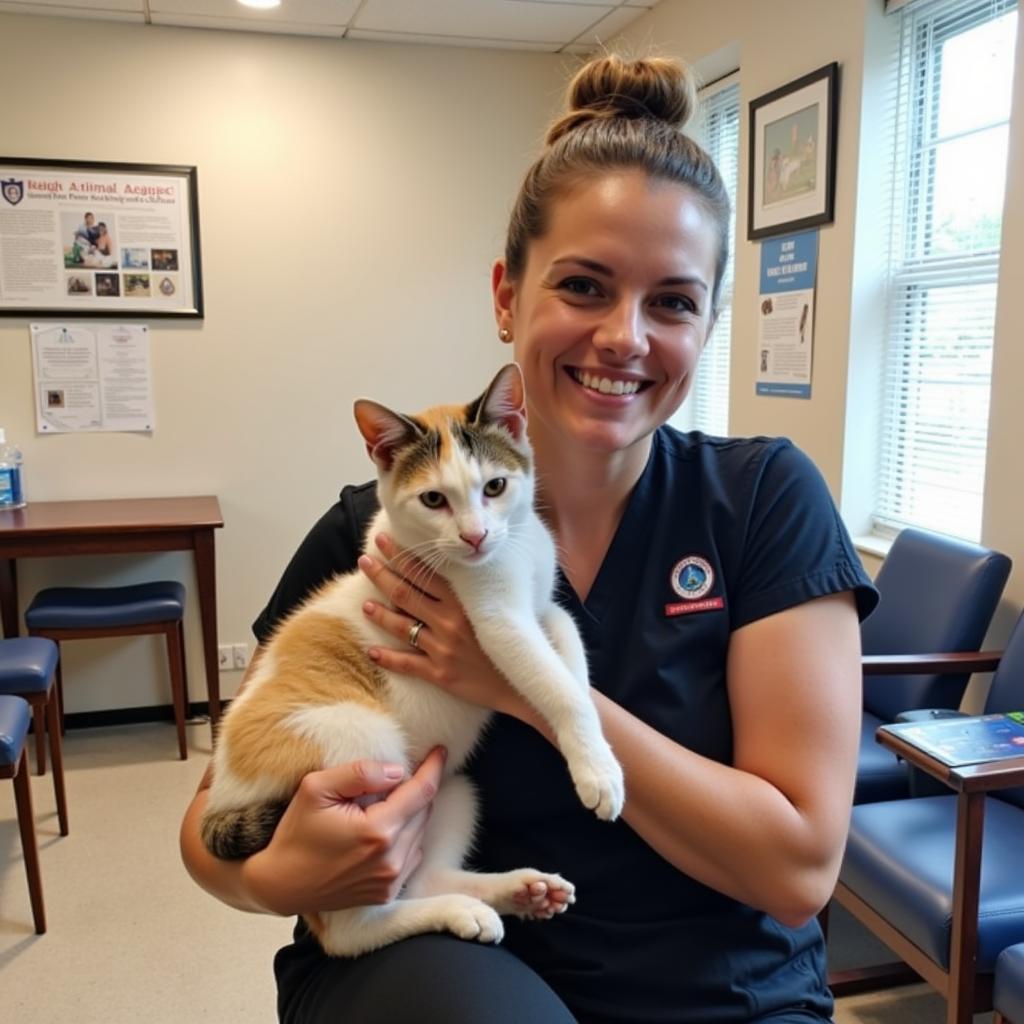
column 238, row 832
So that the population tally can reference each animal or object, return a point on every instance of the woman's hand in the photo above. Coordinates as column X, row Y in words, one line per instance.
column 446, row 652
column 329, row 852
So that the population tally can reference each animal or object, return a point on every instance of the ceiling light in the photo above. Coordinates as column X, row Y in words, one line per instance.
column 260, row 4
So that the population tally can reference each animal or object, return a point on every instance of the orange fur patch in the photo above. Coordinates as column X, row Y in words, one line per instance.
column 318, row 661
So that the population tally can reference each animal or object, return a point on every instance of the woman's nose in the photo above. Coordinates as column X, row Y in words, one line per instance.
column 622, row 331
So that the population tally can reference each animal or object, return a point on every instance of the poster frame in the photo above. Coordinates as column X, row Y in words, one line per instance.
column 98, row 171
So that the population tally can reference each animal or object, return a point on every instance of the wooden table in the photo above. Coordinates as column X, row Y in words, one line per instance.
column 44, row 529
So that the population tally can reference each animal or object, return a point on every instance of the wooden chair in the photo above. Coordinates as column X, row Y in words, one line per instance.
column 937, row 878
column 14, row 720
column 28, row 667
column 79, row 613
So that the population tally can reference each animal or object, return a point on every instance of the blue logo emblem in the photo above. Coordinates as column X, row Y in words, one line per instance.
column 13, row 191
column 692, row 578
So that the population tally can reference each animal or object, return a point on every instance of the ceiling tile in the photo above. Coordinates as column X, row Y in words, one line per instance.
column 609, row 27
column 109, row 10
column 510, row 20
column 294, row 12
column 293, row 28
column 441, row 40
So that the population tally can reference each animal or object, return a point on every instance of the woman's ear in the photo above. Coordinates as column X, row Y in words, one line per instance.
column 504, row 293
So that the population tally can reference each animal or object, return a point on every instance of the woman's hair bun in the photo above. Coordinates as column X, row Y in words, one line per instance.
column 655, row 88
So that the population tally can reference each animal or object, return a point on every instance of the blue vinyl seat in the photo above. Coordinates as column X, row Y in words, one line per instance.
column 938, row 878
column 76, row 613
column 14, row 721
column 1008, row 992
column 937, row 595
column 28, row 667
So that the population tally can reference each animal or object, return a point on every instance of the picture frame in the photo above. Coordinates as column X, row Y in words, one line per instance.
column 792, row 147
column 82, row 238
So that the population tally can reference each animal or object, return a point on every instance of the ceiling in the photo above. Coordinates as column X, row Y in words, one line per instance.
column 552, row 26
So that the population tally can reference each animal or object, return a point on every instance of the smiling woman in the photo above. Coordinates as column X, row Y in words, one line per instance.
column 717, row 594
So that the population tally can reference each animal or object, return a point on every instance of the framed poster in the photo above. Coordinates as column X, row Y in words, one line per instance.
column 81, row 239
column 793, row 155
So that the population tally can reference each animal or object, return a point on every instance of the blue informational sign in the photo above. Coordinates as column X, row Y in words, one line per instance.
column 790, row 263
column 789, row 267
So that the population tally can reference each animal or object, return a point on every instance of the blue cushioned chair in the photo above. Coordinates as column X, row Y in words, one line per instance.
column 938, row 878
column 28, row 666
column 14, row 719
column 1008, row 991
column 77, row 613
column 938, row 594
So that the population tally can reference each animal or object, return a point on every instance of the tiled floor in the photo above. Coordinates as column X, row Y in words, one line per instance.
column 132, row 939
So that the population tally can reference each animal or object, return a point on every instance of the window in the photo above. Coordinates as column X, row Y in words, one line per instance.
column 950, row 114
column 718, row 131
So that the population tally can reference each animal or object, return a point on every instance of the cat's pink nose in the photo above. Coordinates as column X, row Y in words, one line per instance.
column 474, row 540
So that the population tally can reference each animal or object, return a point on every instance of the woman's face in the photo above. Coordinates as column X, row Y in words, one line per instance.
column 612, row 310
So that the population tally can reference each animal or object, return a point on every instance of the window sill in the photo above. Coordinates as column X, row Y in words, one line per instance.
column 873, row 544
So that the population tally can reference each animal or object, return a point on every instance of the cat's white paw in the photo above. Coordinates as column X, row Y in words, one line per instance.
column 540, row 895
column 471, row 919
column 537, row 895
column 600, row 785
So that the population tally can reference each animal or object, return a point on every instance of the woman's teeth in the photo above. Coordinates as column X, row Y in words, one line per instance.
column 606, row 386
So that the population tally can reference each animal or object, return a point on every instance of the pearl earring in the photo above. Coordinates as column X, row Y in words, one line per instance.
column 505, row 334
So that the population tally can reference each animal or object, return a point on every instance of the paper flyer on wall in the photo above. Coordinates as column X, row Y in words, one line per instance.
column 92, row 377
column 786, row 315
column 111, row 241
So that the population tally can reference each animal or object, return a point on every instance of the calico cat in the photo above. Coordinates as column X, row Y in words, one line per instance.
column 456, row 489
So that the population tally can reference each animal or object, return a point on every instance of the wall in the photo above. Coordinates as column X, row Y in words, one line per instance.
column 352, row 197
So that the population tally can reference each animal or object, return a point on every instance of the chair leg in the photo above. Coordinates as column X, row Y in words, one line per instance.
column 60, row 691
column 39, row 726
column 57, row 756
column 177, row 667
column 184, row 670
column 26, row 824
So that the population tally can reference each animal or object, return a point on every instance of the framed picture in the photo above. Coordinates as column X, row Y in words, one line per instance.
column 793, row 155
column 88, row 239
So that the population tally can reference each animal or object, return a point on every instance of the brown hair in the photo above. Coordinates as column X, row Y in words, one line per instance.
column 622, row 115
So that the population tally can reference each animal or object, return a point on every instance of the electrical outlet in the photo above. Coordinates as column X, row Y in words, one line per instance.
column 225, row 658
column 240, row 655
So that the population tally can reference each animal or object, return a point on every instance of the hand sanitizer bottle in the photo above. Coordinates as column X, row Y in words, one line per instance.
column 11, row 493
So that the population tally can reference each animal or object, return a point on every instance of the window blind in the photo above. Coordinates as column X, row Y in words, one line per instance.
column 718, row 131
column 949, row 123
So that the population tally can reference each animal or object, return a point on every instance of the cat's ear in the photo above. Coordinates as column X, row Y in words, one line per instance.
column 503, row 403
column 383, row 430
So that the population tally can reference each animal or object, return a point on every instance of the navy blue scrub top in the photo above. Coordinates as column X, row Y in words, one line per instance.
column 717, row 534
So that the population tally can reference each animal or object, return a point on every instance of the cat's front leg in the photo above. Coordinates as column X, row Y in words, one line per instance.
column 565, row 638
column 522, row 652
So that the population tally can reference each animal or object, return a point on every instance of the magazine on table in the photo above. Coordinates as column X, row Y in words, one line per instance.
column 967, row 739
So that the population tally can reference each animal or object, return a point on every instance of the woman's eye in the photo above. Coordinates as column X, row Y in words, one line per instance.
column 579, row 286
column 433, row 499
column 677, row 303
column 494, row 487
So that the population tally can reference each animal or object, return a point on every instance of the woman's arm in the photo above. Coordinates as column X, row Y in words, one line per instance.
column 768, row 830
column 327, row 852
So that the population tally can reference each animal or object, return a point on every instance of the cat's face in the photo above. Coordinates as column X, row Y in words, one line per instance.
column 456, row 481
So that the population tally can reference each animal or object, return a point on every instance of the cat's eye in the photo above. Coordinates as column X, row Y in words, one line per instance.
column 433, row 499
column 494, row 487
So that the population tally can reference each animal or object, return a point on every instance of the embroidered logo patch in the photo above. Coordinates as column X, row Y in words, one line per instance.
column 691, row 579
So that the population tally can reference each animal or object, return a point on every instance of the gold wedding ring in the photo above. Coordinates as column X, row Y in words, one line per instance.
column 414, row 633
